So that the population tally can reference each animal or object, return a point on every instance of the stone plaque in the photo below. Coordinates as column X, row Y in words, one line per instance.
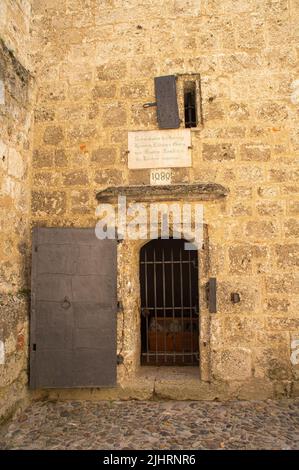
column 160, row 176
column 159, row 149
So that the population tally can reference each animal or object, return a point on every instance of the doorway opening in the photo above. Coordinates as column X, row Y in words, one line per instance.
column 169, row 303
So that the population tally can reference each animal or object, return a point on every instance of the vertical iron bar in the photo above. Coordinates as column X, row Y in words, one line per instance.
column 173, row 310
column 164, row 313
column 155, row 304
column 189, row 110
column 182, row 304
column 190, row 303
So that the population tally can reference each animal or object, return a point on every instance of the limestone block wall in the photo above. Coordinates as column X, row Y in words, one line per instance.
column 16, row 111
column 95, row 63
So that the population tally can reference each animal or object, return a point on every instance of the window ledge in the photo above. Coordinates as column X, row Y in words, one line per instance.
column 194, row 191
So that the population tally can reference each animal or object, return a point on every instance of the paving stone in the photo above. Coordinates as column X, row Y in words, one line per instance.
column 155, row 425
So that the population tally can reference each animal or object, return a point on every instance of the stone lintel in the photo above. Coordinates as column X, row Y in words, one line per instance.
column 195, row 191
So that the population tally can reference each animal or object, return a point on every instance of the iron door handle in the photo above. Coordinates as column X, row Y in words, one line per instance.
column 65, row 303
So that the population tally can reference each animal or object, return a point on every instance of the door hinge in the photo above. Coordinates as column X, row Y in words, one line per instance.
column 211, row 296
column 34, row 347
column 36, row 249
column 120, row 306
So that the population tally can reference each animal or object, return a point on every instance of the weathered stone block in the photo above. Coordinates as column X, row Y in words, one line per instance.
column 255, row 152
column 255, row 389
column 16, row 167
column 189, row 8
column 181, row 175
column 235, row 132
column 293, row 207
column 238, row 330
column 81, row 133
column 272, row 112
column 133, row 90
column 75, row 178
column 291, row 227
column 250, row 173
column 251, row 35
column 50, row 203
column 93, row 110
column 112, row 71
column 108, row 177
column 243, row 191
column 53, row 135
column 287, row 255
column 144, row 66
column 282, row 283
column 277, row 305
column 284, row 174
column 143, row 118
column 42, row 158
column 273, row 363
column 115, row 116
column 238, row 111
column 80, row 202
column 232, row 364
column 104, row 156
column 271, row 338
column 282, row 323
column 213, row 110
column 240, row 209
column 105, row 90
column 46, row 179
column 269, row 191
column 290, row 189
column 249, row 297
column 262, row 229
column 139, row 176
column 53, row 92
column 60, row 159
column 43, row 114
column 79, row 158
column 241, row 257
column 270, row 208
column 218, row 152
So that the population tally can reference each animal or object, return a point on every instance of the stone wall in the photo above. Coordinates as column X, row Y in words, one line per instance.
column 16, row 112
column 95, row 63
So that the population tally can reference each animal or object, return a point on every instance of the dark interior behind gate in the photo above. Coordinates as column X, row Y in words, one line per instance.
column 169, row 303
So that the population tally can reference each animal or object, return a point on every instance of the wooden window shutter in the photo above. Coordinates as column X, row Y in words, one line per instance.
column 73, row 309
column 167, row 104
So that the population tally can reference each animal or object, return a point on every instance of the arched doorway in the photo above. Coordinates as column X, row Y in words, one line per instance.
column 169, row 303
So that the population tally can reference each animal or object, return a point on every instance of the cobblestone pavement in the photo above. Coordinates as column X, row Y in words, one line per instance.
column 155, row 425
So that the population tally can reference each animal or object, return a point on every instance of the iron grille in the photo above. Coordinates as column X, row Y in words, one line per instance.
column 190, row 109
column 169, row 303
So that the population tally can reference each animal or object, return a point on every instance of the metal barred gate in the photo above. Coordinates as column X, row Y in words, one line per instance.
column 169, row 303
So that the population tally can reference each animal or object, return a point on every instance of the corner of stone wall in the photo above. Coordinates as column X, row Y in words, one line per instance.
column 16, row 126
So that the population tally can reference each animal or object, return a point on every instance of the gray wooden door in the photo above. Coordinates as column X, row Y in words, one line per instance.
column 73, row 309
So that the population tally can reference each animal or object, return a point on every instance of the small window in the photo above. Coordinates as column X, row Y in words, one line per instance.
column 178, row 101
column 190, row 104
column 189, row 100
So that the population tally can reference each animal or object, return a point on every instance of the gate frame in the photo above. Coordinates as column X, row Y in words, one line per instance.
column 128, row 325
column 197, row 303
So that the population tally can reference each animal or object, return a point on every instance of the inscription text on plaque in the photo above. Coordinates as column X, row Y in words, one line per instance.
column 159, row 149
